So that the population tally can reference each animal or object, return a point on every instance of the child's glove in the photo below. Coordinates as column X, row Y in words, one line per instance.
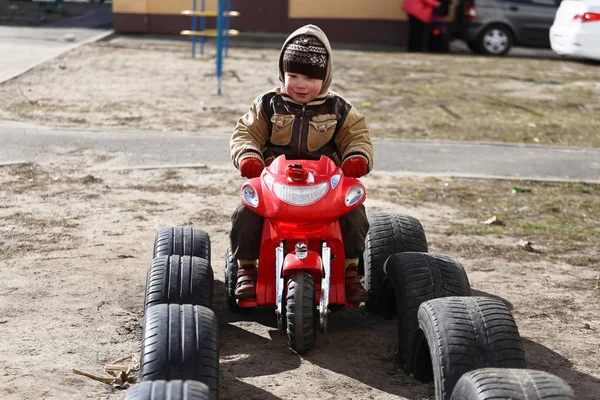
column 355, row 166
column 251, row 167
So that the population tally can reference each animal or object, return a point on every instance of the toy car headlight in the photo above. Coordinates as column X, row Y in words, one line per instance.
column 269, row 181
column 300, row 195
column 335, row 180
column 354, row 194
column 249, row 195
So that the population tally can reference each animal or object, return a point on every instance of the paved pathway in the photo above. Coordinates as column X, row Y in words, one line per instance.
column 22, row 48
column 21, row 142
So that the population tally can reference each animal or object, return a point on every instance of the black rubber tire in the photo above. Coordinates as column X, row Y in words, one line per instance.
column 168, row 390
column 388, row 234
column 231, row 268
column 179, row 280
column 514, row 384
column 181, row 342
column 500, row 28
column 412, row 278
column 463, row 334
column 182, row 241
column 301, row 312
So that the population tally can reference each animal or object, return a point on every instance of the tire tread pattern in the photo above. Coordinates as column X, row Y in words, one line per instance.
column 388, row 234
column 466, row 333
column 168, row 390
column 180, row 280
column 300, row 311
column 231, row 268
column 181, row 342
column 182, row 241
column 510, row 383
column 415, row 278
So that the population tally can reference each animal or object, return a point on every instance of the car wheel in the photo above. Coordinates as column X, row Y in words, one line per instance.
column 495, row 40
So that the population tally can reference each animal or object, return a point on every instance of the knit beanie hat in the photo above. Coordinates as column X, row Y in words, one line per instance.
column 306, row 55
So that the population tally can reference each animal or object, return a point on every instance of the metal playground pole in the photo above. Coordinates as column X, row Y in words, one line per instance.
column 219, row 45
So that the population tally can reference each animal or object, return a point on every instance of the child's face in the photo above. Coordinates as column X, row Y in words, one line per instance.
column 301, row 88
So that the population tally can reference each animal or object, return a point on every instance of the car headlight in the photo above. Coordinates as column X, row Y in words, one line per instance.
column 249, row 195
column 354, row 194
column 300, row 195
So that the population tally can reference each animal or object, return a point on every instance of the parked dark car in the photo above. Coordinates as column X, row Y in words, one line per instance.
column 494, row 26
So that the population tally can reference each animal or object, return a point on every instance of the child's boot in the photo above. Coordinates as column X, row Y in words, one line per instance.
column 246, row 279
column 355, row 292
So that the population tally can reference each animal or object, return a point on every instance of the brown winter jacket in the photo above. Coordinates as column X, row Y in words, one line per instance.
column 276, row 124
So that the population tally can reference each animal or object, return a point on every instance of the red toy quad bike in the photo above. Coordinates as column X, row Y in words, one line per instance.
column 301, row 263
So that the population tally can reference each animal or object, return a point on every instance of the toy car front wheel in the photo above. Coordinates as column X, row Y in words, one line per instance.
column 301, row 312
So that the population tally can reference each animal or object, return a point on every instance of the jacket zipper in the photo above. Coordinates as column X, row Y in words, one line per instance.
column 301, row 130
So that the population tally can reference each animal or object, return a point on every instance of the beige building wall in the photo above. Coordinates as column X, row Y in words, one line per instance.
column 171, row 7
column 345, row 9
column 177, row 6
column 353, row 21
column 331, row 9
column 129, row 6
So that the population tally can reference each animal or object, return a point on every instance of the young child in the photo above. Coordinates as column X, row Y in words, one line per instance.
column 302, row 119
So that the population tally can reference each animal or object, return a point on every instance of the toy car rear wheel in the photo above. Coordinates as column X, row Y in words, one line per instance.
column 460, row 334
column 412, row 278
column 388, row 234
column 231, row 268
column 168, row 390
column 510, row 383
column 301, row 312
column 182, row 241
column 179, row 280
column 181, row 342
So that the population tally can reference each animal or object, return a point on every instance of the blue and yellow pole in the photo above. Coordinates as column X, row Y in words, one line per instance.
column 228, row 9
column 219, row 45
column 194, row 28
column 202, row 25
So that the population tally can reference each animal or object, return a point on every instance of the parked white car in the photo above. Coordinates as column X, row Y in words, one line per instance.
column 576, row 29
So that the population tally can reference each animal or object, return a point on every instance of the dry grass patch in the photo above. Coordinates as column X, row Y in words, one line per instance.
column 561, row 219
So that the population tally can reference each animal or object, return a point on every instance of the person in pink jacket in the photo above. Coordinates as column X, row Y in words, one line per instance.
column 419, row 15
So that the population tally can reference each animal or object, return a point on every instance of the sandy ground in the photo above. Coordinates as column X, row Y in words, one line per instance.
column 76, row 241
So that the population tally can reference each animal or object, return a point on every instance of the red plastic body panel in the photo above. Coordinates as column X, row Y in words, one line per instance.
column 312, row 224
column 331, row 206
